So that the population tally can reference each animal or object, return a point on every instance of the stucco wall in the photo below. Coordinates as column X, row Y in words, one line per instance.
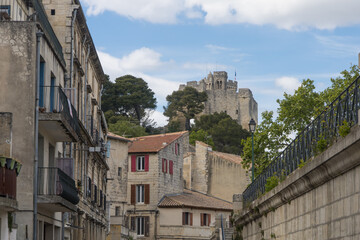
column 199, row 168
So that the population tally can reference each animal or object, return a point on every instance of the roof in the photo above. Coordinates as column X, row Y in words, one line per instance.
column 117, row 137
column 153, row 143
column 227, row 156
column 194, row 199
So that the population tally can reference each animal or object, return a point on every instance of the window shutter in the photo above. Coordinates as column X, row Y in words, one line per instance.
column 191, row 219
column 147, row 193
column 183, row 219
column 163, row 163
column 132, row 224
column 146, row 163
column 171, row 167
column 209, row 219
column 147, row 227
column 166, row 167
column 176, row 149
column 133, row 163
column 201, row 219
column 133, row 194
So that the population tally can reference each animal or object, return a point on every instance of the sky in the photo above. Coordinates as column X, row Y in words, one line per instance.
column 272, row 45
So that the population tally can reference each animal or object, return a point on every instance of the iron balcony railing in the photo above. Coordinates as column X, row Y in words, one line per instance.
column 53, row 181
column 48, row 30
column 322, row 130
column 54, row 100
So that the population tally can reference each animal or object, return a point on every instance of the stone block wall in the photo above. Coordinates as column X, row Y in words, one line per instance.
column 319, row 201
column 200, row 168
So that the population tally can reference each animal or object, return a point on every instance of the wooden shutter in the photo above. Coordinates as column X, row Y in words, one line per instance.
column 147, row 193
column 132, row 224
column 133, row 194
column 191, row 219
column 176, row 149
column 166, row 167
column 163, row 163
column 209, row 219
column 133, row 163
column 147, row 227
column 171, row 167
column 183, row 218
column 146, row 163
column 201, row 219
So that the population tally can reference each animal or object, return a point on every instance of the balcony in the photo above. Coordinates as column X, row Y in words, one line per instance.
column 57, row 115
column 9, row 169
column 57, row 191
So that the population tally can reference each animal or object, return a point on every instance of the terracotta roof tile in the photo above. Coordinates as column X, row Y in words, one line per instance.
column 227, row 156
column 153, row 143
column 113, row 135
column 193, row 199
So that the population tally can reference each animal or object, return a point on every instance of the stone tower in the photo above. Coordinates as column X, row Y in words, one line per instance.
column 224, row 96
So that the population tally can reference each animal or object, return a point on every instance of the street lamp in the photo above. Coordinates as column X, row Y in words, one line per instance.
column 252, row 126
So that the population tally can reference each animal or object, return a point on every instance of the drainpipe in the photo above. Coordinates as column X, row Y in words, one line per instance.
column 82, row 105
column 39, row 35
column 72, row 45
column 86, row 80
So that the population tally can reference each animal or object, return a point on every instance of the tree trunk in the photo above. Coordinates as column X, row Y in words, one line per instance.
column 187, row 124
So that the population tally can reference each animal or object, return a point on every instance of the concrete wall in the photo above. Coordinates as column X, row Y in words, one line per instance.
column 318, row 201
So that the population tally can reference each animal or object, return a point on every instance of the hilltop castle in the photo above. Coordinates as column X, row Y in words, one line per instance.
column 224, row 96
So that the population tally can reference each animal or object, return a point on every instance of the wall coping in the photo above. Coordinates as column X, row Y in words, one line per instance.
column 334, row 161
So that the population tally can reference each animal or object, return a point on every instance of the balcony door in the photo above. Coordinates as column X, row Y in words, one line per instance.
column 52, row 93
column 41, row 87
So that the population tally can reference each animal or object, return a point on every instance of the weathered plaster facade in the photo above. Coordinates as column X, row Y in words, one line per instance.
column 223, row 96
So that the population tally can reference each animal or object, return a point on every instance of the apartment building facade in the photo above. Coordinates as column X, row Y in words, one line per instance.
column 155, row 169
column 66, row 136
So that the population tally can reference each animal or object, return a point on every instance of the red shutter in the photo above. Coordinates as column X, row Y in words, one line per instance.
column 133, row 163
column 191, row 219
column 133, row 194
column 146, row 163
column 176, row 149
column 171, row 167
column 166, row 166
column 163, row 163
column 209, row 219
column 147, row 193
column 183, row 219
column 201, row 219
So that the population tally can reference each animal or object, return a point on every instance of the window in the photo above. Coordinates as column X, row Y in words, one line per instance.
column 140, row 225
column 4, row 12
column 205, row 219
column 177, row 148
column 140, row 163
column 187, row 218
column 164, row 165
column 117, row 211
column 52, row 11
column 171, row 170
column 119, row 172
column 140, row 194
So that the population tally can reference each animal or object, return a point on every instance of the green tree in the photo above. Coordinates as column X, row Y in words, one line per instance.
column 201, row 135
column 127, row 129
column 208, row 121
column 189, row 102
column 128, row 96
column 173, row 126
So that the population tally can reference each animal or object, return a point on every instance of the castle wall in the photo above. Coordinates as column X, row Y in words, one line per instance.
column 223, row 97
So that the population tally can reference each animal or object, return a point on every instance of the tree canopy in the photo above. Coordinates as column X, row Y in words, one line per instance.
column 128, row 96
column 295, row 112
column 220, row 131
column 189, row 102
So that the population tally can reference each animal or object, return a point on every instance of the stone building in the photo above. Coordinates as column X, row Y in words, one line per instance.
column 155, row 169
column 191, row 215
column 117, row 187
column 69, row 143
column 214, row 173
column 224, row 96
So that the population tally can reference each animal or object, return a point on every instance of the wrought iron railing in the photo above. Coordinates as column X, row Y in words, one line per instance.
column 53, row 181
column 321, row 131
column 48, row 30
column 54, row 100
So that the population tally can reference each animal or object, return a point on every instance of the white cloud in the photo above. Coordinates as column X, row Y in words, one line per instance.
column 288, row 84
column 159, row 118
column 284, row 14
column 339, row 45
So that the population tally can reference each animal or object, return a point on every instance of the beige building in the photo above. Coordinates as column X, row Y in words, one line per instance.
column 191, row 215
column 70, row 149
column 155, row 169
column 117, row 187
column 224, row 96
column 214, row 173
